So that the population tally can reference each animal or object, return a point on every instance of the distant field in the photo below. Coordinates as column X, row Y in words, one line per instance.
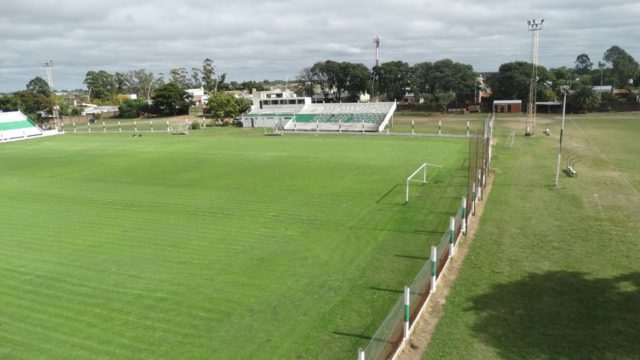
column 221, row 244
column 554, row 273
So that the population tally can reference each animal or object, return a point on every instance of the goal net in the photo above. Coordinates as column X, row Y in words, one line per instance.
column 179, row 128
column 418, row 176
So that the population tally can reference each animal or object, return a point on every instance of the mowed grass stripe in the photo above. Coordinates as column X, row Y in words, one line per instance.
column 221, row 244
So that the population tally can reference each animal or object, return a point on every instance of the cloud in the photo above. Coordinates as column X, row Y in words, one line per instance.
column 277, row 39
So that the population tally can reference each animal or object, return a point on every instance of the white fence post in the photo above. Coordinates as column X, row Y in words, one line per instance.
column 407, row 301
column 119, row 126
column 168, row 127
column 151, row 124
column 89, row 126
column 473, row 199
column 74, row 128
column 467, row 128
column 361, row 354
column 439, row 127
column 104, row 127
column 413, row 131
column 464, row 216
column 135, row 127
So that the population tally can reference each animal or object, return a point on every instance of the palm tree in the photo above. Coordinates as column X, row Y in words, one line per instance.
column 584, row 99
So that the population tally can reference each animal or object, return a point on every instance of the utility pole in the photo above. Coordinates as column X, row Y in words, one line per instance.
column 535, row 28
column 565, row 90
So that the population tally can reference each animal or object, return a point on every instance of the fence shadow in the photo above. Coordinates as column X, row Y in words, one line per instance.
column 562, row 315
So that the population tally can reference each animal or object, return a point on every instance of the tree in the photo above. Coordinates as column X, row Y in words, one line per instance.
column 223, row 105
column 513, row 79
column 39, row 86
column 10, row 103
column 623, row 66
column 583, row 64
column 143, row 82
column 133, row 108
column 101, row 85
column 443, row 78
column 306, row 81
column 196, row 77
column 208, row 75
column 33, row 104
column 393, row 79
column 244, row 104
column 122, row 82
column 583, row 98
column 357, row 79
column 180, row 76
column 169, row 99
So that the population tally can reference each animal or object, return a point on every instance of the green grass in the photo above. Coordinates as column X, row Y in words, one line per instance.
column 553, row 272
column 220, row 244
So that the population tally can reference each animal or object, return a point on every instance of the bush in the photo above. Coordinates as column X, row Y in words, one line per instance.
column 195, row 125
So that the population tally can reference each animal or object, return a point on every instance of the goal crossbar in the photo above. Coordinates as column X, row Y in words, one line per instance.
column 411, row 177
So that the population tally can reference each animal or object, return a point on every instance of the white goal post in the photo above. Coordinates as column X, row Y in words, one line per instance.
column 411, row 178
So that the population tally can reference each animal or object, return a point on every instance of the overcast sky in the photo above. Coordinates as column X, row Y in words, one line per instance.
column 256, row 40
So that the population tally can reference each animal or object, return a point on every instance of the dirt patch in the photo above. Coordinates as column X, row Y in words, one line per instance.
column 426, row 325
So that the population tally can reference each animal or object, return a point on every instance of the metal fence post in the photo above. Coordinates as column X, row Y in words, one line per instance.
column 361, row 354
column 434, row 260
column 452, row 235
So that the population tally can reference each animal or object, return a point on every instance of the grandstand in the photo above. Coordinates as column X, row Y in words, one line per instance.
column 14, row 125
column 283, row 110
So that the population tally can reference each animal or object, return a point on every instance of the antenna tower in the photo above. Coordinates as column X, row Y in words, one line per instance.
column 376, row 41
column 535, row 28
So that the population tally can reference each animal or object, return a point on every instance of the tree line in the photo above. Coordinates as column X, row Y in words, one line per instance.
column 617, row 69
column 438, row 83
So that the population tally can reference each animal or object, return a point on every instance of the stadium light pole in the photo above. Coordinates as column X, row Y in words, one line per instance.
column 565, row 90
column 534, row 27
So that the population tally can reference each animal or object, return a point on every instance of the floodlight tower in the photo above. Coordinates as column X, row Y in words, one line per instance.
column 376, row 41
column 535, row 28
column 48, row 65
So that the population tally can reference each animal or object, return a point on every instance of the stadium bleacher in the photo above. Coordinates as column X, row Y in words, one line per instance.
column 16, row 125
column 341, row 117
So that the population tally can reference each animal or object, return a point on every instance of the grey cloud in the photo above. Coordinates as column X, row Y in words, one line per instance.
column 276, row 39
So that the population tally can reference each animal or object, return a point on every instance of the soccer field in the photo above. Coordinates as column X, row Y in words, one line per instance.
column 221, row 244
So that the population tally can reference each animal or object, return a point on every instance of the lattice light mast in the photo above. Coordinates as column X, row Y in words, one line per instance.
column 48, row 65
column 376, row 41
column 535, row 28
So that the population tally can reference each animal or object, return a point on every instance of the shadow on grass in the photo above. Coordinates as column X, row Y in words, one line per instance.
column 421, row 258
column 383, row 199
column 358, row 336
column 562, row 315
column 395, row 291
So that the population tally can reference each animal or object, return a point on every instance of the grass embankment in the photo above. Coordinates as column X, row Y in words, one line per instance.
column 553, row 273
